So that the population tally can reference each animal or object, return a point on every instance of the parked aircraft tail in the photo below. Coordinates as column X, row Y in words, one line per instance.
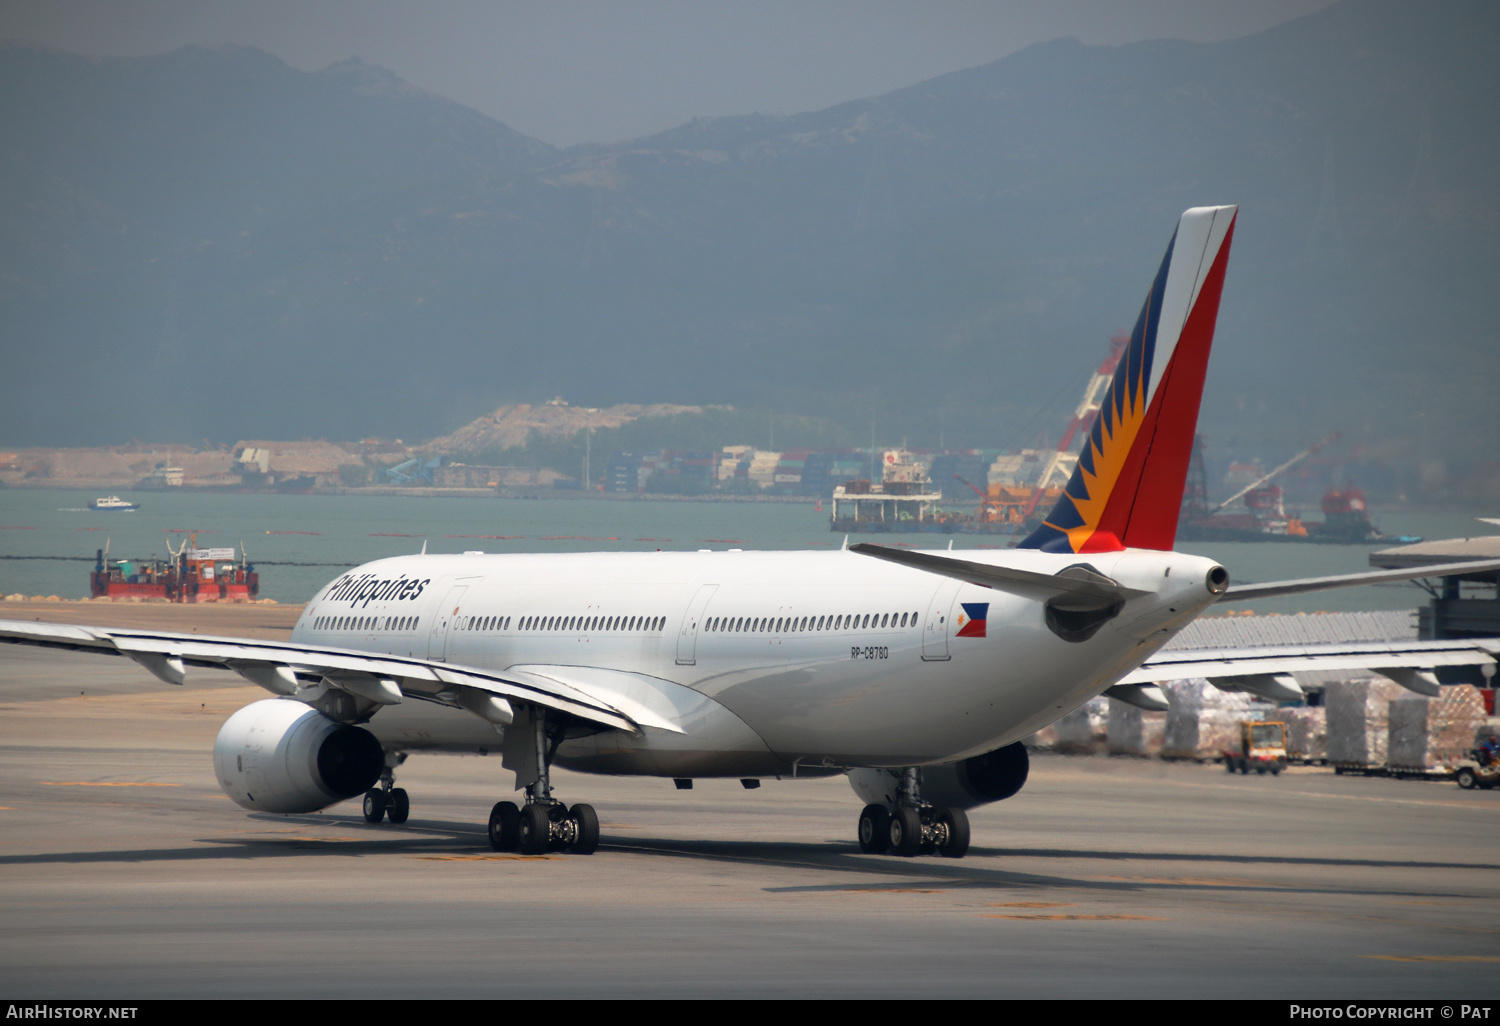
column 1127, row 488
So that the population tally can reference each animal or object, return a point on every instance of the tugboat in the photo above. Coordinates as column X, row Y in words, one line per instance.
column 113, row 504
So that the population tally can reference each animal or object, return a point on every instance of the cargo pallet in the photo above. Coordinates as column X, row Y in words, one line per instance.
column 1399, row 772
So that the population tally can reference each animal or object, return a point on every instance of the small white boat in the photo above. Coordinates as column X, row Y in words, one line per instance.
column 113, row 504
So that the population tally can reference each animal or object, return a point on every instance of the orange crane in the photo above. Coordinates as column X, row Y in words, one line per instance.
column 1083, row 420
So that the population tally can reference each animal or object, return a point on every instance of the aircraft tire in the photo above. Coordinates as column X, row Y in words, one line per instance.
column 504, row 830
column 374, row 805
column 587, row 822
column 874, row 829
column 535, row 829
column 905, row 831
column 400, row 806
column 957, row 844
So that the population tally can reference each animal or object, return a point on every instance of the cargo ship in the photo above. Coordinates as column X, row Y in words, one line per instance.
column 902, row 502
column 190, row 575
column 1346, row 515
column 1022, row 486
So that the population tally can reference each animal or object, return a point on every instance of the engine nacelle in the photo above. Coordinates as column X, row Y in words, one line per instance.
column 281, row 755
column 991, row 777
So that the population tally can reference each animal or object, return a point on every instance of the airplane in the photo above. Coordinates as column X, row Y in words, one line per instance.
column 916, row 673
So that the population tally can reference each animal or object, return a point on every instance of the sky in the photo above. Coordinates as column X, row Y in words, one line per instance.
column 572, row 71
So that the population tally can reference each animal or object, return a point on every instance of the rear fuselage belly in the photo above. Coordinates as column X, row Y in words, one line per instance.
column 789, row 659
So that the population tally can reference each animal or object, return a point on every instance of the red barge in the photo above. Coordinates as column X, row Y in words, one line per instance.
column 191, row 575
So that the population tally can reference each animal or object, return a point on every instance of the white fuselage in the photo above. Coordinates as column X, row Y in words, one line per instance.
column 768, row 661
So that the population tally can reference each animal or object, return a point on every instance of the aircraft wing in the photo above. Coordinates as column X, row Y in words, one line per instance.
column 285, row 668
column 1271, row 589
column 1266, row 670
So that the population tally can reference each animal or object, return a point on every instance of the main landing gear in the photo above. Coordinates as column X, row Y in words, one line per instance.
column 388, row 801
column 543, row 823
column 913, row 828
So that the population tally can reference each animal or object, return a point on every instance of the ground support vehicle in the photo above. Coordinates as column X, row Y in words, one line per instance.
column 1262, row 748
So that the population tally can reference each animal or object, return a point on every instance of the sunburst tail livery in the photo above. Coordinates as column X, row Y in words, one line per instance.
column 1126, row 491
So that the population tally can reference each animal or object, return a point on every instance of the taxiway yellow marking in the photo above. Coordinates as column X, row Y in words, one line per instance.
column 7, row 808
column 1034, row 904
column 1198, row 881
column 91, row 783
column 483, row 858
column 996, row 915
column 1435, row 958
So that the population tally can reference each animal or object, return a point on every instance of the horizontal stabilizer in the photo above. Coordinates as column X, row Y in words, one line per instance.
column 1075, row 581
column 1271, row 589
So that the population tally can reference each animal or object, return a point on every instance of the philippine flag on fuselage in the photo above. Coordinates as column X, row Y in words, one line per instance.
column 971, row 621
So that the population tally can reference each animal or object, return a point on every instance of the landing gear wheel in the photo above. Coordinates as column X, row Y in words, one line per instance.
column 535, row 829
column 1466, row 778
column 1276, row 769
column 374, row 805
column 905, row 831
column 957, row 823
column 505, row 821
column 400, row 806
column 586, row 825
column 874, row 829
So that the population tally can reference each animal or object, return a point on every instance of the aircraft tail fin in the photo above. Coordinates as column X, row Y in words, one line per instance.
column 1127, row 488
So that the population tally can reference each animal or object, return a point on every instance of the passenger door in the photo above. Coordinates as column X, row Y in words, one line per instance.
column 447, row 612
column 935, row 628
column 687, row 634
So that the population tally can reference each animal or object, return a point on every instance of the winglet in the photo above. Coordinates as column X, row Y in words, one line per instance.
column 1127, row 488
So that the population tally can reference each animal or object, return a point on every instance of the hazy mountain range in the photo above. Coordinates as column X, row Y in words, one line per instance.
column 209, row 243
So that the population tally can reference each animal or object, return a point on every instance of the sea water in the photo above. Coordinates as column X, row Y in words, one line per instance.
column 300, row 542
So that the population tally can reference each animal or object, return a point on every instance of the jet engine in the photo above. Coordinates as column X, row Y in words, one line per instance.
column 281, row 755
column 991, row 777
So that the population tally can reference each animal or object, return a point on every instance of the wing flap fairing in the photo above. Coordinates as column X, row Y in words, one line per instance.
column 279, row 666
column 1407, row 663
